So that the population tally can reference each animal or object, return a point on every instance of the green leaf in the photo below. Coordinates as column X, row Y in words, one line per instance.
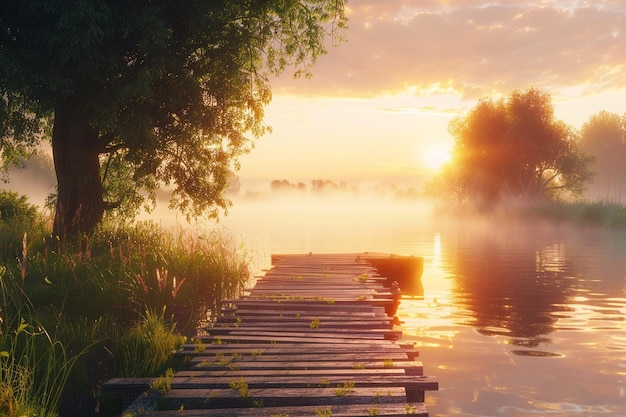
column 23, row 325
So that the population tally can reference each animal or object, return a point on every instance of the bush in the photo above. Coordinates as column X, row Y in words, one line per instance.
column 18, row 220
column 14, row 206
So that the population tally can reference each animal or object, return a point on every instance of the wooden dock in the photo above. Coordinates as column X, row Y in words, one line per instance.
column 312, row 338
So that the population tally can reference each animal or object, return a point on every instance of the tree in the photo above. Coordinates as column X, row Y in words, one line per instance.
column 604, row 137
column 513, row 148
column 159, row 93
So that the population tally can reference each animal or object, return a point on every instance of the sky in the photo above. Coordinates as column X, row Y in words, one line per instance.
column 378, row 105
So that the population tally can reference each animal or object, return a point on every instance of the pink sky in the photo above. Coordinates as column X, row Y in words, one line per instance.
column 378, row 105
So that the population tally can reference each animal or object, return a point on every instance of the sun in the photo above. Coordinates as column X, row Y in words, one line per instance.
column 434, row 157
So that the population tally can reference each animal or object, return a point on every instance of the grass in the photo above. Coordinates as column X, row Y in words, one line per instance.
column 585, row 213
column 117, row 303
column 344, row 389
column 146, row 348
column 241, row 386
column 372, row 411
column 323, row 412
column 163, row 384
column 34, row 364
column 602, row 214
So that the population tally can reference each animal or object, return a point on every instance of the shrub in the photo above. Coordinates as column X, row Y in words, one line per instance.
column 12, row 206
column 144, row 350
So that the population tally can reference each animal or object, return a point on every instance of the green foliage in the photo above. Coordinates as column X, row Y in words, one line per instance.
column 513, row 149
column 145, row 348
column 163, row 384
column 34, row 363
column 13, row 206
column 22, row 228
column 94, row 292
column 372, row 411
column 22, row 125
column 241, row 386
column 172, row 93
column 344, row 389
column 324, row 412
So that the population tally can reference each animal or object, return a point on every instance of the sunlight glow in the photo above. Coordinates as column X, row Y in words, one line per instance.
column 434, row 157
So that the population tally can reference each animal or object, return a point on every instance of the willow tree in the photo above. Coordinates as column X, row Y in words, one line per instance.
column 514, row 148
column 159, row 93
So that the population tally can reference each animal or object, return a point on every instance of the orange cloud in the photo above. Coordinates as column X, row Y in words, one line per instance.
column 473, row 48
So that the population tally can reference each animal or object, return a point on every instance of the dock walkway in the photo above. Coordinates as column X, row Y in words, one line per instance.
column 312, row 338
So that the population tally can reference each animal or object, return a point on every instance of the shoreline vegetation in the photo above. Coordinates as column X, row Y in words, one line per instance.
column 598, row 214
column 118, row 303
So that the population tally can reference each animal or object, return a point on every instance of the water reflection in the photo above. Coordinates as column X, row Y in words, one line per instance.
column 513, row 321
column 532, row 324
column 513, row 291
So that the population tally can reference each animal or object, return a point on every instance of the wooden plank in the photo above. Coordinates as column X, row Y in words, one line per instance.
column 264, row 350
column 319, row 304
column 286, row 339
column 319, row 381
column 295, row 364
column 301, row 331
column 273, row 397
column 287, row 312
column 361, row 371
column 311, row 335
column 302, row 356
column 351, row 410
column 268, row 348
column 262, row 321
column 259, row 355
column 207, row 342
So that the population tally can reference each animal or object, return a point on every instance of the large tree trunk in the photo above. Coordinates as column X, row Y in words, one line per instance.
column 79, row 206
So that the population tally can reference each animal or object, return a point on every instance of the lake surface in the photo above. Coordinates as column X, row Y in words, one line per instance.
column 515, row 320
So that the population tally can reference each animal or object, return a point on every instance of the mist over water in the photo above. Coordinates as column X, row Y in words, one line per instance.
column 516, row 319
column 357, row 223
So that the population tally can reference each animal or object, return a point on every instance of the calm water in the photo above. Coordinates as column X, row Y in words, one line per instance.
column 514, row 320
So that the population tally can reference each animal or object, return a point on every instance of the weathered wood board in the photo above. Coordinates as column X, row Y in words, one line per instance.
column 312, row 338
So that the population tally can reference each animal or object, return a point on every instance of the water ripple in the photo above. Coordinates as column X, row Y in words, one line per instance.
column 536, row 353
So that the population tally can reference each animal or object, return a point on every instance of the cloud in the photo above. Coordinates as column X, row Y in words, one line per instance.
column 471, row 48
column 424, row 110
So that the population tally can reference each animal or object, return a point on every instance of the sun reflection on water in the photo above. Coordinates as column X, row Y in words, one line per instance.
column 532, row 331
column 513, row 321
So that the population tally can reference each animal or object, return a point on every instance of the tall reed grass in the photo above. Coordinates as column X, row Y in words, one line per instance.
column 34, row 363
column 116, row 303
column 146, row 348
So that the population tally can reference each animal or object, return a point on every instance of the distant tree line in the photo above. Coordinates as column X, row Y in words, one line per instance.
column 318, row 186
column 326, row 187
column 285, row 185
column 515, row 149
